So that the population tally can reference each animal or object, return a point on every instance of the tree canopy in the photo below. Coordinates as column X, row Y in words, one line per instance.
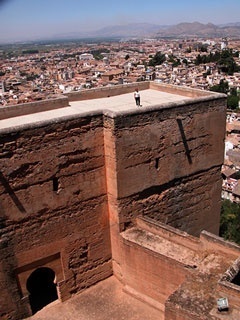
column 222, row 87
column 230, row 221
column 232, row 98
column 158, row 59
column 224, row 59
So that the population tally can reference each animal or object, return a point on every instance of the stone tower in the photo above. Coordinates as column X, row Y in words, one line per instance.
column 79, row 173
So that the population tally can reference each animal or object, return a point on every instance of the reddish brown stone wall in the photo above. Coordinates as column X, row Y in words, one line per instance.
column 184, row 91
column 173, row 313
column 104, row 93
column 165, row 167
column 150, row 273
column 38, row 222
column 122, row 89
column 67, row 186
column 168, row 168
column 33, row 107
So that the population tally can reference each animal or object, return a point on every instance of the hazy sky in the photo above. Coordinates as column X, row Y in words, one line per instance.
column 33, row 19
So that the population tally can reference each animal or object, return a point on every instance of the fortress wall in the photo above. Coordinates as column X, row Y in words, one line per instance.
column 67, row 187
column 33, row 107
column 53, row 208
column 156, row 259
column 152, row 275
column 111, row 91
column 164, row 164
column 167, row 232
column 184, row 91
column 228, row 285
column 214, row 243
column 112, row 191
column 181, row 290
column 62, row 101
column 168, row 167
column 105, row 92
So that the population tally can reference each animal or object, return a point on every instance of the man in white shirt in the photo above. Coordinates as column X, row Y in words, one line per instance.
column 137, row 97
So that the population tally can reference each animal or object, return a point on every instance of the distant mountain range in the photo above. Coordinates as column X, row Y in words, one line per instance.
column 140, row 30
column 201, row 30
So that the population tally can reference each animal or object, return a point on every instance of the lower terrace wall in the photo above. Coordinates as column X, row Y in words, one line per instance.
column 54, row 209
column 181, row 275
column 151, row 275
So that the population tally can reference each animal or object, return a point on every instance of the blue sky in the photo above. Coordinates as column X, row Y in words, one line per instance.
column 33, row 19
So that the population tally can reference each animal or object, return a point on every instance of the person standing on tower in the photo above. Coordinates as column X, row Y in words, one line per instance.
column 137, row 97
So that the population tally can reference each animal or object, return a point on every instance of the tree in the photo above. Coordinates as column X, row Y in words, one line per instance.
column 127, row 57
column 230, row 221
column 232, row 102
column 158, row 59
column 30, row 51
column 175, row 61
column 198, row 60
column 232, row 98
column 224, row 59
column 222, row 87
column 203, row 48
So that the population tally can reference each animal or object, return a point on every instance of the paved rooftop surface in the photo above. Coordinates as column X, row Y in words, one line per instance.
column 104, row 301
column 126, row 101
column 119, row 103
column 163, row 246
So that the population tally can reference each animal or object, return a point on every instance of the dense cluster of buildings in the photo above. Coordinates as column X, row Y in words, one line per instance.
column 231, row 167
column 64, row 69
column 37, row 76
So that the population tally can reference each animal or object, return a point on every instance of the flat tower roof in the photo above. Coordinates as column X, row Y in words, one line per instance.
column 113, row 105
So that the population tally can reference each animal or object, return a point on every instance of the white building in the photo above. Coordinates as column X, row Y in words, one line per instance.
column 86, row 56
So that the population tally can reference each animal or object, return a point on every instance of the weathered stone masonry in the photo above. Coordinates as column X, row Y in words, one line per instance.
column 168, row 167
column 72, row 190
column 54, row 207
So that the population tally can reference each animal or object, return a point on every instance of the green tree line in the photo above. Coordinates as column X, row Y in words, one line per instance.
column 232, row 94
column 224, row 60
column 230, row 221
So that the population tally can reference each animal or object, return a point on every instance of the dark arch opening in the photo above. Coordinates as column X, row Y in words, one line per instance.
column 42, row 288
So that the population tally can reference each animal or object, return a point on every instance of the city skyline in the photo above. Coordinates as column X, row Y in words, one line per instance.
column 23, row 20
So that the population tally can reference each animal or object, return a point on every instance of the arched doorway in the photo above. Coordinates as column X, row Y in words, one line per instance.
column 42, row 288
